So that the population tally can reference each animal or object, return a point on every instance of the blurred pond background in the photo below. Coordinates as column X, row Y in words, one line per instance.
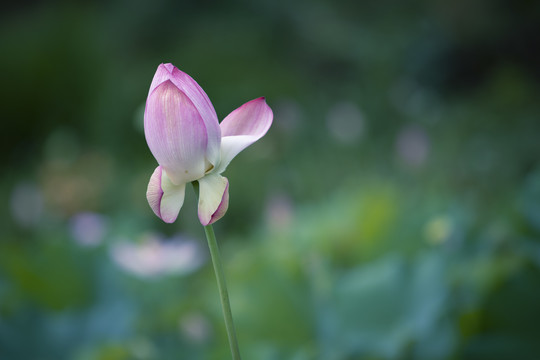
column 391, row 212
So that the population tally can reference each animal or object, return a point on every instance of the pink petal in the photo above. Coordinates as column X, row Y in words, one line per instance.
column 200, row 100
column 163, row 73
column 164, row 197
column 213, row 198
column 175, row 133
column 242, row 128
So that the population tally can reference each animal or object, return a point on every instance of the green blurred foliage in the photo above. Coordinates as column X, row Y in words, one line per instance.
column 391, row 212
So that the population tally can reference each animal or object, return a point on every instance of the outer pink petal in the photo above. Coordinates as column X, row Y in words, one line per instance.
column 242, row 128
column 165, row 198
column 200, row 100
column 163, row 73
column 175, row 133
column 213, row 198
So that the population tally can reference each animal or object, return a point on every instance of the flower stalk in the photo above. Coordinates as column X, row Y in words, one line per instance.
column 222, row 286
column 223, row 293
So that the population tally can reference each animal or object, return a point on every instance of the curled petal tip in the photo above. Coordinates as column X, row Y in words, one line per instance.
column 252, row 118
column 170, row 67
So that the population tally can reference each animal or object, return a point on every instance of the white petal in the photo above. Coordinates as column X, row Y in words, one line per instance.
column 165, row 198
column 213, row 198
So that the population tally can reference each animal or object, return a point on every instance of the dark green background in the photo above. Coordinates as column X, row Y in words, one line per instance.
column 391, row 212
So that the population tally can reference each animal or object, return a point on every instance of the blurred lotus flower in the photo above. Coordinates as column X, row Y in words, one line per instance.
column 88, row 229
column 413, row 145
column 189, row 144
column 155, row 256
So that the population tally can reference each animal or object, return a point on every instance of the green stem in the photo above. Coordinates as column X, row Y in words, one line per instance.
column 222, row 286
column 223, row 294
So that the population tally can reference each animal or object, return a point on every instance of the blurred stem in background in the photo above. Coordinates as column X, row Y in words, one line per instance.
column 222, row 285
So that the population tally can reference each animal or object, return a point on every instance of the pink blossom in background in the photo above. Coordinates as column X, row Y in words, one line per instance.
column 156, row 256
column 88, row 229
